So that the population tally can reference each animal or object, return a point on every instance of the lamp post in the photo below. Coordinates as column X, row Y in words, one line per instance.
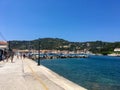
column 39, row 54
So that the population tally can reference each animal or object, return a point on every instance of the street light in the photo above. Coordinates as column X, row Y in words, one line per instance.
column 39, row 53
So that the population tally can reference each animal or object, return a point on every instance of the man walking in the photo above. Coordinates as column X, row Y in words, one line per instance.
column 12, row 56
column 1, row 54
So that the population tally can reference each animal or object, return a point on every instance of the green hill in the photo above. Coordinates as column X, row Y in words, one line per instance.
column 61, row 44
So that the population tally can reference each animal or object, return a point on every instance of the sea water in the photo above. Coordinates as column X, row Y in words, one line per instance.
column 93, row 73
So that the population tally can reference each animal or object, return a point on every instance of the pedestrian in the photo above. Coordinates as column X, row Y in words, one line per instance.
column 1, row 54
column 12, row 56
column 6, row 55
column 24, row 56
column 21, row 55
column 18, row 55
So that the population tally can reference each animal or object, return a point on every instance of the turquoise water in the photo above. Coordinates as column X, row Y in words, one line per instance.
column 93, row 73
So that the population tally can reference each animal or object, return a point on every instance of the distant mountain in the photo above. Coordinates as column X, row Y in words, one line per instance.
column 61, row 44
column 51, row 43
column 45, row 43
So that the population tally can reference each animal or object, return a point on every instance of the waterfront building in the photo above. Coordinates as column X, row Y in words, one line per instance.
column 3, row 45
column 117, row 50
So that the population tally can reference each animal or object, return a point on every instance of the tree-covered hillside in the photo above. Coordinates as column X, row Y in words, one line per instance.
column 61, row 44
column 45, row 43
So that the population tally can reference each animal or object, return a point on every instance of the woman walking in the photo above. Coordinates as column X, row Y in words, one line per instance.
column 12, row 56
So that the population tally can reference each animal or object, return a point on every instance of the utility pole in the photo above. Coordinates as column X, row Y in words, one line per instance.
column 39, row 53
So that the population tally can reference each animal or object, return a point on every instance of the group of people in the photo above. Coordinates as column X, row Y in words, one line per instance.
column 21, row 55
column 6, row 54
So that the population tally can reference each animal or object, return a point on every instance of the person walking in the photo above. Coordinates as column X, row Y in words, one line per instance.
column 24, row 56
column 12, row 56
column 21, row 55
column 1, row 54
column 6, row 55
column 18, row 55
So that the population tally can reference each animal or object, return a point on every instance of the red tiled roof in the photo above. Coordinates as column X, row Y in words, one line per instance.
column 3, row 43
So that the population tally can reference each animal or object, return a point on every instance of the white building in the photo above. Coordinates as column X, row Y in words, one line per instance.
column 117, row 50
column 3, row 45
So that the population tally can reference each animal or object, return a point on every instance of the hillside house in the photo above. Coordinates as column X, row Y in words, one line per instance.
column 117, row 50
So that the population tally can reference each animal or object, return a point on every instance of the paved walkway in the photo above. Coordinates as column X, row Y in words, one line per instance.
column 26, row 75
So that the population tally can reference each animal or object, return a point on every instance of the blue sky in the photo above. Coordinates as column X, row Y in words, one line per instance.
column 73, row 20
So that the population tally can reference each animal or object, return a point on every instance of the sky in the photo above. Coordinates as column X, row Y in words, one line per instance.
column 72, row 20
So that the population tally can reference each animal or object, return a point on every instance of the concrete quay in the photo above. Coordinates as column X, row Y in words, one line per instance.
column 26, row 75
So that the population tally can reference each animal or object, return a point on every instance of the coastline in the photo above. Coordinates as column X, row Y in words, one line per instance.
column 26, row 75
column 55, row 78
